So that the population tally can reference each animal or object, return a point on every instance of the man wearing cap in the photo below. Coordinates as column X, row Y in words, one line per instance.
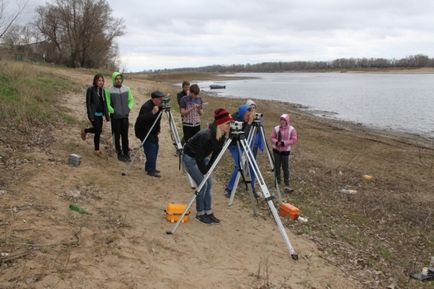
column 147, row 117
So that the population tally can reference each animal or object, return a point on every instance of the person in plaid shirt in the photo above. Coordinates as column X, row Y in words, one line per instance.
column 191, row 110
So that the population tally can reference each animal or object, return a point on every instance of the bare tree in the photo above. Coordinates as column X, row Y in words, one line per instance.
column 7, row 17
column 18, row 35
column 82, row 30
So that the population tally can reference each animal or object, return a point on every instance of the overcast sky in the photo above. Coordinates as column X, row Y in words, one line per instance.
column 192, row 33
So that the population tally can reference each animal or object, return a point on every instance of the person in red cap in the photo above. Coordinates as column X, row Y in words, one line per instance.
column 195, row 159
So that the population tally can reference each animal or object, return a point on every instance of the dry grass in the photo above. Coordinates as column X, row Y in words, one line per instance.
column 27, row 98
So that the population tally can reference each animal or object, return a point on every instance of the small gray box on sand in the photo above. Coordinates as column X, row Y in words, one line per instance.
column 74, row 160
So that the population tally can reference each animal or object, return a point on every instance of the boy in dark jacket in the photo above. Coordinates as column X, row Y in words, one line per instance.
column 183, row 92
column 148, row 115
column 96, row 109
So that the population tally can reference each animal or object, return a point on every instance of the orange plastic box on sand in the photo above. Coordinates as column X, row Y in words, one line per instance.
column 288, row 210
column 174, row 212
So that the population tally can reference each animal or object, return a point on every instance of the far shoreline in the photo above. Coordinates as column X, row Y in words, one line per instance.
column 357, row 128
column 174, row 80
column 404, row 70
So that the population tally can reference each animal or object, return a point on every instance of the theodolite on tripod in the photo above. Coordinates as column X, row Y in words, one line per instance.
column 165, row 108
column 256, row 128
column 237, row 135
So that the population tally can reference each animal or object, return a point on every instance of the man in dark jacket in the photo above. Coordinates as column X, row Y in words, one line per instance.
column 147, row 117
column 120, row 101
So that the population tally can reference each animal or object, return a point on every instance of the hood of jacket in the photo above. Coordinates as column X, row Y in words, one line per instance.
column 114, row 75
column 286, row 118
column 242, row 110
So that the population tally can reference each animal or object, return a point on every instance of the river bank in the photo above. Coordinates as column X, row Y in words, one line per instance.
column 383, row 229
column 370, row 238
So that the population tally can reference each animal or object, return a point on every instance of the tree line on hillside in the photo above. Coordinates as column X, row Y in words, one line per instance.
column 76, row 33
column 415, row 61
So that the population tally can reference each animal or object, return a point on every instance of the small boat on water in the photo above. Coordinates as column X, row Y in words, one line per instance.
column 217, row 86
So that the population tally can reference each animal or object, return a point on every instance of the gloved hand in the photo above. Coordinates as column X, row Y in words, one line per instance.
column 282, row 144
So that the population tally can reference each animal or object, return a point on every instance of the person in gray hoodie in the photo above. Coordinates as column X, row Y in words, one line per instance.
column 120, row 101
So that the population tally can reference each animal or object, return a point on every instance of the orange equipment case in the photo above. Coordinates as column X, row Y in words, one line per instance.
column 174, row 211
column 288, row 210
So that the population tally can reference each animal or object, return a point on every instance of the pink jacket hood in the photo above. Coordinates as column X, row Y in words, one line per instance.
column 285, row 117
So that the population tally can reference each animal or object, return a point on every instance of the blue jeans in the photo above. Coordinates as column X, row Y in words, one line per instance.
column 203, row 199
column 236, row 157
column 151, row 151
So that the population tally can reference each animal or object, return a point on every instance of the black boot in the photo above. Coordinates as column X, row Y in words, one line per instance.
column 127, row 157
column 120, row 157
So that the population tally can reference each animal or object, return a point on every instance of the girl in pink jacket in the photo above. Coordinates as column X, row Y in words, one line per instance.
column 282, row 137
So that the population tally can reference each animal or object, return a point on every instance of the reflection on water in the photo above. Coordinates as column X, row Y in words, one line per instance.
column 403, row 102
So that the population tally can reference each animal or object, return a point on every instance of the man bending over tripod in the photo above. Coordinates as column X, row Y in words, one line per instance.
column 147, row 116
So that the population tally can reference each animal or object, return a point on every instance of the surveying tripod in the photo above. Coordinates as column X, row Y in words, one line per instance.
column 256, row 128
column 165, row 108
column 237, row 134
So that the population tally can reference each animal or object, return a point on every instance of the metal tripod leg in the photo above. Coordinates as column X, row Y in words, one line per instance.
column 245, row 168
column 174, row 131
column 270, row 157
column 266, row 193
column 271, row 161
column 242, row 161
column 268, row 197
column 173, row 134
column 237, row 180
column 177, row 142
column 125, row 172
column 205, row 178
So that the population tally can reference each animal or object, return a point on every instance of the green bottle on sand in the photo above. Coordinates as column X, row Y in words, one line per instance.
column 77, row 208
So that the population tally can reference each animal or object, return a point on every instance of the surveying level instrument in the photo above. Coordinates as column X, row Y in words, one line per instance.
column 237, row 134
column 165, row 108
column 256, row 127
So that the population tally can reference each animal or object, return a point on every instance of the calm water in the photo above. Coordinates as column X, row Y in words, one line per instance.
column 402, row 102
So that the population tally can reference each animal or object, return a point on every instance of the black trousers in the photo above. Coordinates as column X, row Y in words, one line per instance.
column 189, row 131
column 120, row 130
column 281, row 160
column 96, row 129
